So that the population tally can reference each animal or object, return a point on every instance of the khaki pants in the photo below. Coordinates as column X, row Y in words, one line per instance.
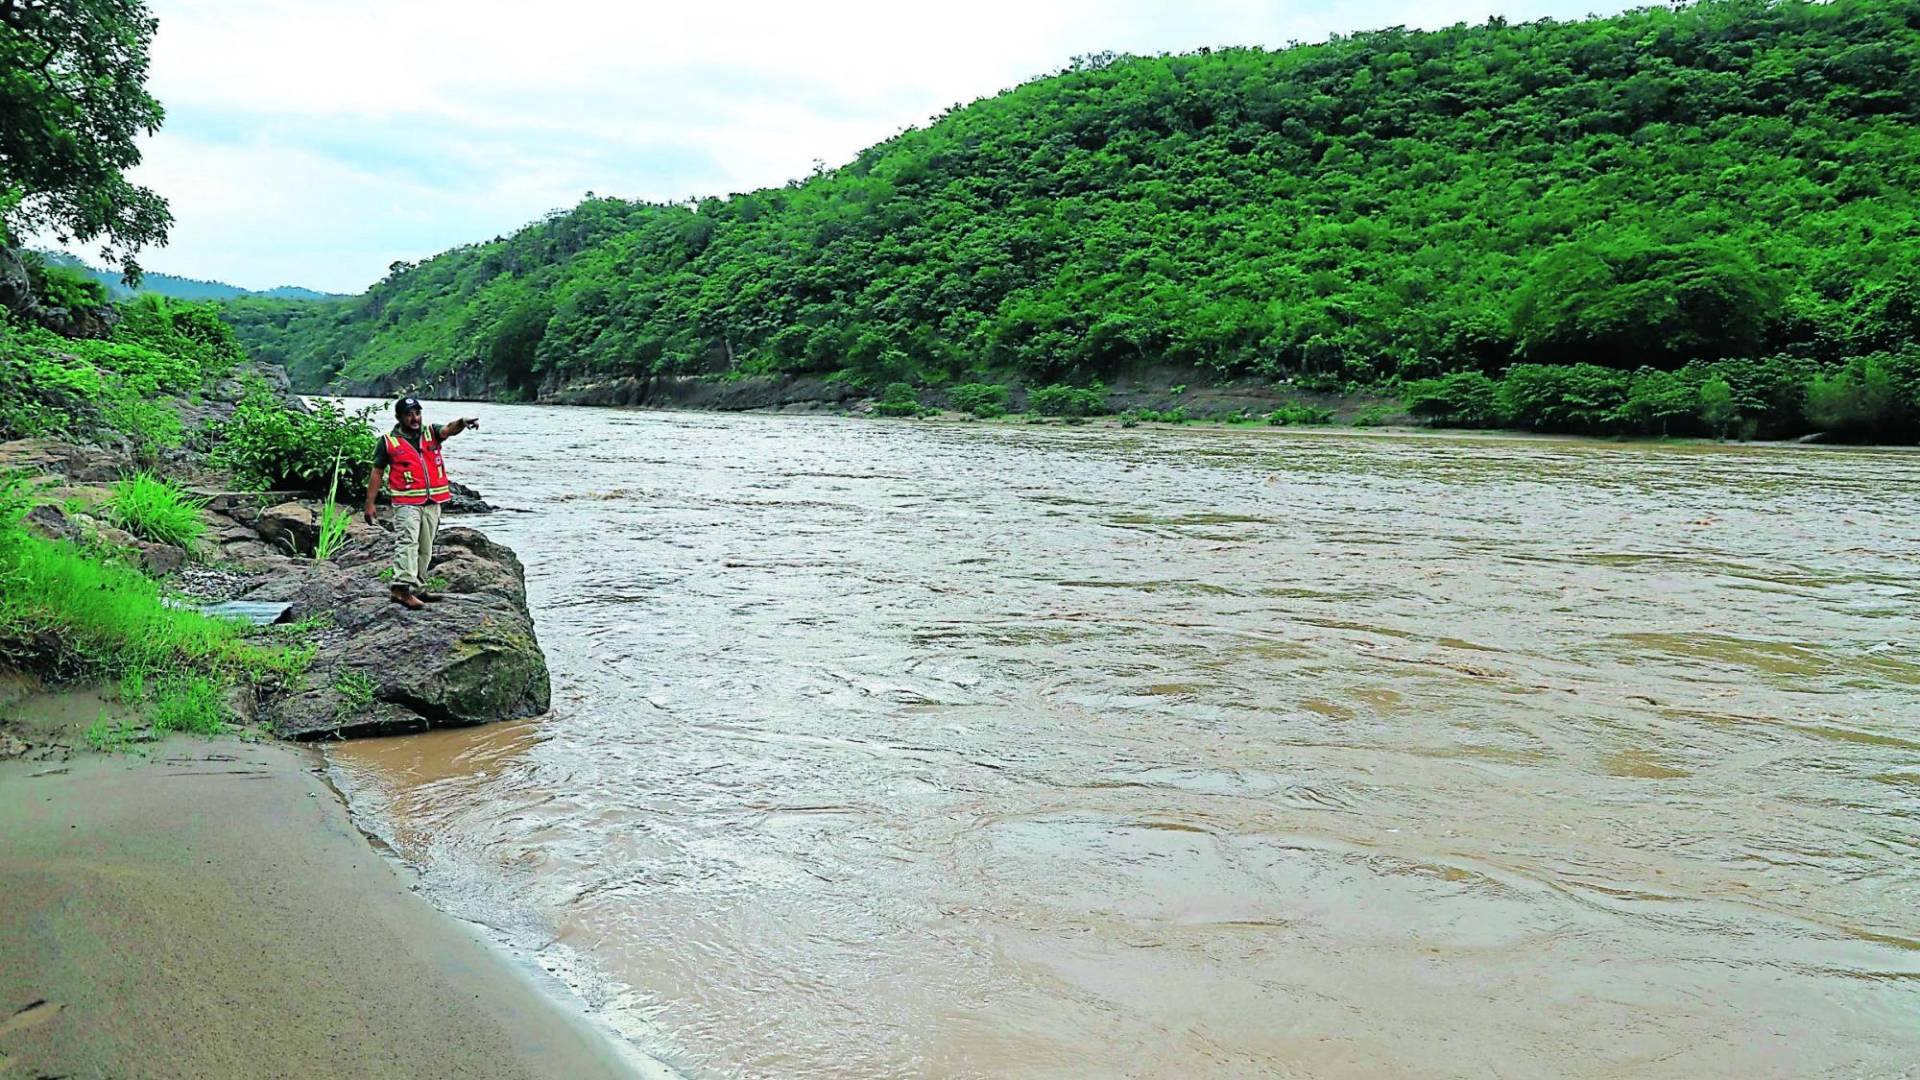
column 413, row 529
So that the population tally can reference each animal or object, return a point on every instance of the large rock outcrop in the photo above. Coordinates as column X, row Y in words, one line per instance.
column 470, row 658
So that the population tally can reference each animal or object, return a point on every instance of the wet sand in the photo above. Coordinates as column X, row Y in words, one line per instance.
column 213, row 912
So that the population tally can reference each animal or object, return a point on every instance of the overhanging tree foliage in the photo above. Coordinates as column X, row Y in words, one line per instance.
column 72, row 102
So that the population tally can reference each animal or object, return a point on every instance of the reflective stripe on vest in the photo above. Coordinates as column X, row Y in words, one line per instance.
column 417, row 476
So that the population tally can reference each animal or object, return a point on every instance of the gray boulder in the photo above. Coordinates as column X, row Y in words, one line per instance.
column 289, row 526
column 471, row 658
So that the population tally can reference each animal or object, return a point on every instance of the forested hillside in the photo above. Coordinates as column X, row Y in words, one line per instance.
column 1730, row 180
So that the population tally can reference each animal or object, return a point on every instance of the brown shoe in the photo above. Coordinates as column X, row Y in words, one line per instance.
column 406, row 599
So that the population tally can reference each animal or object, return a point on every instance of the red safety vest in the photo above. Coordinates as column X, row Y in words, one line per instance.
column 415, row 477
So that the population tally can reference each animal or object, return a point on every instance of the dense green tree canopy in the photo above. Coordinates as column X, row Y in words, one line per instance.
column 72, row 102
column 1733, row 179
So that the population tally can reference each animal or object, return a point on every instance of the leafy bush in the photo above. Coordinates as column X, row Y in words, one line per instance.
column 1296, row 412
column 899, row 399
column 194, row 332
column 1177, row 415
column 1717, row 409
column 984, row 400
column 1464, row 398
column 1769, row 395
column 56, row 386
column 1870, row 398
column 154, row 509
column 62, row 287
column 139, row 368
column 269, row 446
column 1061, row 400
column 1659, row 403
column 1371, row 416
column 1570, row 398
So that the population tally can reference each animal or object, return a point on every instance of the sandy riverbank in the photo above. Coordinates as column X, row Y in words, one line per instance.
column 211, row 911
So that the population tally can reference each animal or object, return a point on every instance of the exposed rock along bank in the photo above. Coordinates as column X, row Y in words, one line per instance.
column 1158, row 388
column 471, row 658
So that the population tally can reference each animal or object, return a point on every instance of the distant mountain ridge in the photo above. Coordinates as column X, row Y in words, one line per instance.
column 181, row 288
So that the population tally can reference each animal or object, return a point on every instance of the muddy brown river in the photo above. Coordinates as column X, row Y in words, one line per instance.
column 890, row 749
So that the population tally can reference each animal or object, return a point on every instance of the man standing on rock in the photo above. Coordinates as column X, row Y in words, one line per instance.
column 417, row 483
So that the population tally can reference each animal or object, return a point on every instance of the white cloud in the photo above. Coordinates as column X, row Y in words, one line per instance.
column 314, row 141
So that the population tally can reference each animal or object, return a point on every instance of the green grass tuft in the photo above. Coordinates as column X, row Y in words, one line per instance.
column 192, row 703
column 356, row 692
column 107, row 737
column 71, row 614
column 154, row 509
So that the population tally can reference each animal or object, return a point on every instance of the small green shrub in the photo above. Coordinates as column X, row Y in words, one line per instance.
column 269, row 446
column 1563, row 398
column 1658, row 403
column 1717, row 409
column 1153, row 416
column 984, row 400
column 1061, row 400
column 898, row 399
column 1769, row 395
column 1869, row 398
column 61, row 286
column 154, row 509
column 334, row 520
column 194, row 332
column 1464, row 398
column 1371, row 416
column 1297, row 412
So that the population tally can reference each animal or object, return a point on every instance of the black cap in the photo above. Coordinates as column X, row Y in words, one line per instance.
column 405, row 405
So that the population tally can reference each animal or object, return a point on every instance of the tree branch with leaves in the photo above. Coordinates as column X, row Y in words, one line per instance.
column 73, row 103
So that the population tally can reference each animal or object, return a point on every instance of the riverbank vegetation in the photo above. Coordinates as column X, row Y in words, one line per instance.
column 81, row 608
column 1873, row 398
column 1734, row 180
column 74, row 612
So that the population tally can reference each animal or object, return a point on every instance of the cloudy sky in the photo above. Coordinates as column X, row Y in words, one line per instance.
column 313, row 142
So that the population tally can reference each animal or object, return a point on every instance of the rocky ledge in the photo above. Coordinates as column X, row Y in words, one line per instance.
column 470, row 658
